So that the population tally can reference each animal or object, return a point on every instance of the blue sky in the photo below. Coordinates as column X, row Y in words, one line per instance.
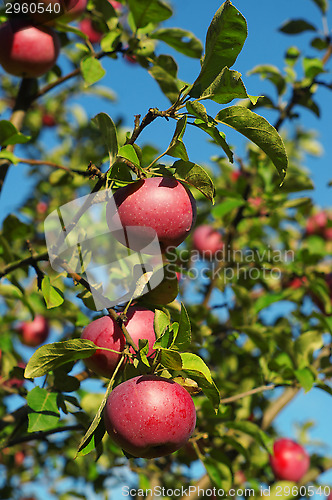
column 137, row 92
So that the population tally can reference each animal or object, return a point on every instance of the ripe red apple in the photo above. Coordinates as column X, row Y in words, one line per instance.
column 298, row 282
column 27, row 51
column 48, row 120
column 116, row 5
column 15, row 382
column 317, row 223
column 88, row 29
column 41, row 207
column 150, row 416
column 157, row 206
column 105, row 332
column 289, row 461
column 207, row 241
column 34, row 333
column 130, row 58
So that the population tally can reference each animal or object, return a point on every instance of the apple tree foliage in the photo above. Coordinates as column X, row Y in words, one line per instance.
column 50, row 416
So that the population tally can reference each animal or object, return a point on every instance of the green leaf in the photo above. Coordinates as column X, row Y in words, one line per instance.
column 295, row 26
column 219, row 473
column 171, row 359
column 93, row 441
column 254, row 431
column 128, row 152
column 306, row 378
column 164, row 72
column 120, row 171
column 226, row 206
column 196, row 176
column 183, row 337
column 165, row 340
column 197, row 109
column 196, row 369
column 108, row 131
column 7, row 155
column 161, row 322
column 10, row 135
column 271, row 73
column 110, row 40
column 218, row 137
column 44, row 414
column 149, row 11
column 312, row 67
column 88, row 436
column 259, row 131
column 143, row 346
column 305, row 345
column 51, row 356
column 322, row 5
column 52, row 295
column 177, row 148
column 227, row 86
column 92, row 70
column 266, row 300
column 181, row 40
column 224, row 41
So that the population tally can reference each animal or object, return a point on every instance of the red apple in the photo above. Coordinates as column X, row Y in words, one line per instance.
column 116, row 5
column 130, row 58
column 317, row 223
column 88, row 29
column 48, row 120
column 34, row 333
column 150, row 416
column 289, row 461
column 19, row 458
column 26, row 50
column 41, row 207
column 157, row 206
column 207, row 241
column 298, row 282
column 235, row 174
column 15, row 382
column 105, row 332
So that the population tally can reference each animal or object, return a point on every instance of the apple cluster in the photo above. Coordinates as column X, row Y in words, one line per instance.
column 148, row 415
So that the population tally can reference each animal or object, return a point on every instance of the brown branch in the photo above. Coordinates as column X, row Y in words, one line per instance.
column 41, row 435
column 29, row 161
column 29, row 261
column 257, row 390
column 70, row 75
column 23, row 102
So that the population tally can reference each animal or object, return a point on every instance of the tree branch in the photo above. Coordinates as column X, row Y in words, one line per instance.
column 41, row 435
column 276, row 406
column 257, row 390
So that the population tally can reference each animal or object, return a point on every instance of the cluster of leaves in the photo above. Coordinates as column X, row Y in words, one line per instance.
column 215, row 360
